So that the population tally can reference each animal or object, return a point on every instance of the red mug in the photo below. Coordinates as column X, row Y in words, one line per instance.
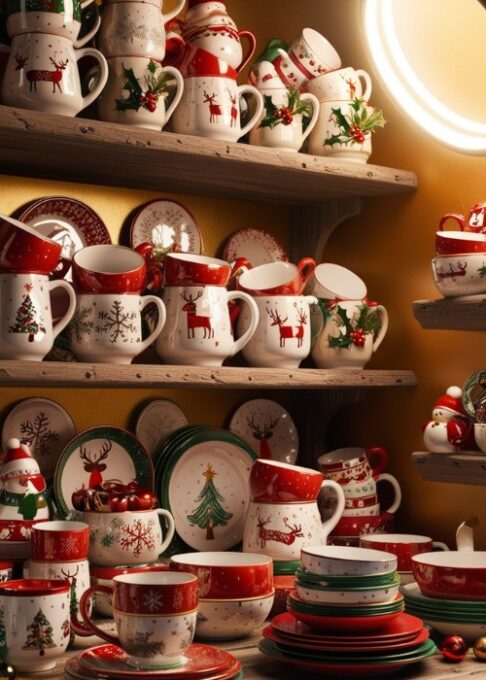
column 275, row 482
column 459, row 243
column 60, row 541
column 277, row 278
column 23, row 250
column 476, row 219
column 187, row 269
column 404, row 546
column 354, row 465
column 367, row 524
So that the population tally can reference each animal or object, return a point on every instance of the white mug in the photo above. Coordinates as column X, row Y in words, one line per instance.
column 343, row 84
column 310, row 55
column 328, row 138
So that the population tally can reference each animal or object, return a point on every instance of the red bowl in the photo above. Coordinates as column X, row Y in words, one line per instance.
column 108, row 269
column 60, row 541
column 276, row 482
column 454, row 575
column 459, row 243
column 23, row 250
column 227, row 575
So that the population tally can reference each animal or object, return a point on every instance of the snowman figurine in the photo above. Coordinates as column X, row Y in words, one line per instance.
column 450, row 430
column 22, row 496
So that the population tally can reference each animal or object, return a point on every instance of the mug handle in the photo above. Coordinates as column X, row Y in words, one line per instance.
column 451, row 216
column 249, row 89
column 86, row 38
column 170, row 528
column 384, row 326
column 331, row 522
column 147, row 300
column 306, row 268
column 251, row 48
column 308, row 97
column 254, row 319
column 91, row 52
column 86, row 627
column 62, row 323
column 385, row 477
column 179, row 91
column 367, row 82
column 380, row 453
column 438, row 546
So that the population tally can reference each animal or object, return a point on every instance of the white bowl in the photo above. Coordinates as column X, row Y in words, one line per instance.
column 336, row 560
column 480, row 436
column 371, row 596
column 460, row 274
column 469, row 631
column 231, row 619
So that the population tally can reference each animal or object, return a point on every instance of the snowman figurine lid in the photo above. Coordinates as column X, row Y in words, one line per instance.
column 23, row 487
column 449, row 429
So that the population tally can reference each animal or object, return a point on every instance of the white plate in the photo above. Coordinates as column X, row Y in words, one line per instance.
column 165, row 224
column 268, row 428
column 256, row 245
column 157, row 420
column 44, row 426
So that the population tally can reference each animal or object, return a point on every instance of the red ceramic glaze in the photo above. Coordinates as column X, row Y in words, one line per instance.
column 358, row 526
column 275, row 482
column 346, row 467
column 176, row 598
column 197, row 62
column 187, row 269
column 346, row 624
column 24, row 251
column 53, row 545
column 295, row 285
column 31, row 587
column 17, row 529
column 108, row 269
column 459, row 243
column 475, row 222
column 403, row 550
column 361, row 502
column 453, row 583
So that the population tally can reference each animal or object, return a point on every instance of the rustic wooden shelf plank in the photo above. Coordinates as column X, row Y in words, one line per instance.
column 451, row 468
column 466, row 313
column 76, row 149
column 52, row 373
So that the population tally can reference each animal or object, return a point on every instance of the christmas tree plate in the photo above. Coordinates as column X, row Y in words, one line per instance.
column 256, row 245
column 44, row 426
column 170, row 444
column 205, row 486
column 167, row 225
column 96, row 455
column 157, row 420
column 474, row 395
column 268, row 429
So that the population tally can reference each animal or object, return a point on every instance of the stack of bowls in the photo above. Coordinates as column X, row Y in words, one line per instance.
column 460, row 261
column 235, row 591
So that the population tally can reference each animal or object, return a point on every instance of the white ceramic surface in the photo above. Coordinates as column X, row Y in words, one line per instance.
column 347, row 561
column 348, row 596
column 456, row 275
column 76, row 572
column 165, row 224
column 255, row 245
column 157, row 420
column 308, row 56
column 328, row 127
column 231, row 619
column 343, row 84
column 335, row 282
column 480, row 436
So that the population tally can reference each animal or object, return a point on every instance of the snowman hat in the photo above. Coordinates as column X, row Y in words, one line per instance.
column 451, row 401
column 18, row 459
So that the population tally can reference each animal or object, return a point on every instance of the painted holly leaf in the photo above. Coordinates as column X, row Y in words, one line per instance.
column 296, row 106
column 368, row 320
column 361, row 121
column 341, row 119
column 269, row 119
column 152, row 66
column 482, row 271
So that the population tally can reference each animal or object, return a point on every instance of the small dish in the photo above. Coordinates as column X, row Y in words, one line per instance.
column 166, row 225
column 157, row 420
column 255, row 245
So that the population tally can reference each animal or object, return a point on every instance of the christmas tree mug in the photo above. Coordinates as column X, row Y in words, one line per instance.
column 27, row 329
column 34, row 622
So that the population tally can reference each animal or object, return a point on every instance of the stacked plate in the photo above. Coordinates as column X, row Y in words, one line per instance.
column 201, row 477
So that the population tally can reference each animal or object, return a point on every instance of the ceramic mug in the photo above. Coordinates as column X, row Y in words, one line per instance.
column 329, row 138
column 335, row 282
column 365, row 524
column 189, row 269
column 42, row 74
column 144, row 106
column 277, row 278
column 475, row 221
column 210, row 107
column 155, row 616
column 108, row 328
column 309, row 55
column 371, row 510
column 283, row 135
column 198, row 331
column 34, row 618
column 343, row 84
column 404, row 546
column 197, row 62
column 24, row 250
column 60, row 541
column 27, row 329
column 353, row 464
column 282, row 338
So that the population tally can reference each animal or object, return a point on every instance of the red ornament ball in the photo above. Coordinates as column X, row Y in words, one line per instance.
column 453, row 648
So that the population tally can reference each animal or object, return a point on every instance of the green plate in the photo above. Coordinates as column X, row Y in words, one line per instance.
column 344, row 610
column 347, row 582
column 346, row 588
column 432, row 615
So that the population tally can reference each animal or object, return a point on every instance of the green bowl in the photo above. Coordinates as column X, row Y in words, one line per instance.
column 347, row 582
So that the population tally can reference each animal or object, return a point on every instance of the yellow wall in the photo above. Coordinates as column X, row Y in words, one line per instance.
column 390, row 245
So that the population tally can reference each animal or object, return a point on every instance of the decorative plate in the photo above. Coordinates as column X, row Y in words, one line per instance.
column 44, row 426
column 268, row 428
column 474, row 394
column 256, row 245
column 157, row 420
column 165, row 224
column 69, row 222
column 96, row 455
column 205, row 486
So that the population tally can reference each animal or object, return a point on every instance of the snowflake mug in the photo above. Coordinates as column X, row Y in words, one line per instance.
column 60, row 541
column 309, row 55
column 34, row 622
column 108, row 328
column 155, row 616
column 131, row 537
column 329, row 138
column 27, row 329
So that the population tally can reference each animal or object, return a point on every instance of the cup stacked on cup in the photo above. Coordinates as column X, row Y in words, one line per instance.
column 42, row 70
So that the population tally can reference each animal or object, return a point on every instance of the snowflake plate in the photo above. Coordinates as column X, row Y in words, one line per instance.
column 268, row 428
column 44, row 426
column 157, row 420
column 100, row 454
column 165, row 224
column 256, row 245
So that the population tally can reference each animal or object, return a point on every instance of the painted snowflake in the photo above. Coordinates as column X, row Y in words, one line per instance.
column 137, row 537
column 117, row 323
column 37, row 435
column 68, row 545
column 142, row 647
column 152, row 601
column 107, row 540
column 178, row 600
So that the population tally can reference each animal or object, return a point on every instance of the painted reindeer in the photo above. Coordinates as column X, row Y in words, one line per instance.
column 214, row 108
column 286, row 332
column 193, row 320
column 36, row 75
column 94, row 466
column 279, row 536
column 452, row 273
column 234, row 108
column 300, row 328
column 263, row 431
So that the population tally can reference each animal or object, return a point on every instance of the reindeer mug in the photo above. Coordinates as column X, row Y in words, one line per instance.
column 198, row 331
column 210, row 107
column 42, row 74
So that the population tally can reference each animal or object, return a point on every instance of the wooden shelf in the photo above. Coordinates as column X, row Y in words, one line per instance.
column 72, row 374
column 451, row 468
column 80, row 150
column 462, row 313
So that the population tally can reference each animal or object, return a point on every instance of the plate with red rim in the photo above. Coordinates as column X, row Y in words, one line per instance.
column 166, row 225
column 69, row 222
column 351, row 624
column 200, row 661
column 255, row 245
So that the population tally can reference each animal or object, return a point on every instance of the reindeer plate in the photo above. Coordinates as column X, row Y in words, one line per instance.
column 256, row 245
column 100, row 454
column 268, row 429
column 44, row 426
column 158, row 419
column 167, row 225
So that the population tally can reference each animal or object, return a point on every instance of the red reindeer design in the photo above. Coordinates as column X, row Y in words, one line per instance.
column 352, row 87
column 263, row 431
column 234, row 108
column 286, row 332
column 95, row 466
column 193, row 320
column 36, row 75
column 279, row 536
column 452, row 273
column 300, row 328
column 214, row 108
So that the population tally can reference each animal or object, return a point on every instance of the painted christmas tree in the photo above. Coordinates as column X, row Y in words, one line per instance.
column 40, row 635
column 209, row 513
column 26, row 319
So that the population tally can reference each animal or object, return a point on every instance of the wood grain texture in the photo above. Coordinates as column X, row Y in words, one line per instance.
column 451, row 468
column 76, row 149
column 57, row 373
column 461, row 313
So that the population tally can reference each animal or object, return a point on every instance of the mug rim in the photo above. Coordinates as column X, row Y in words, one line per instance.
column 156, row 578
column 32, row 587
column 82, row 252
column 71, row 526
